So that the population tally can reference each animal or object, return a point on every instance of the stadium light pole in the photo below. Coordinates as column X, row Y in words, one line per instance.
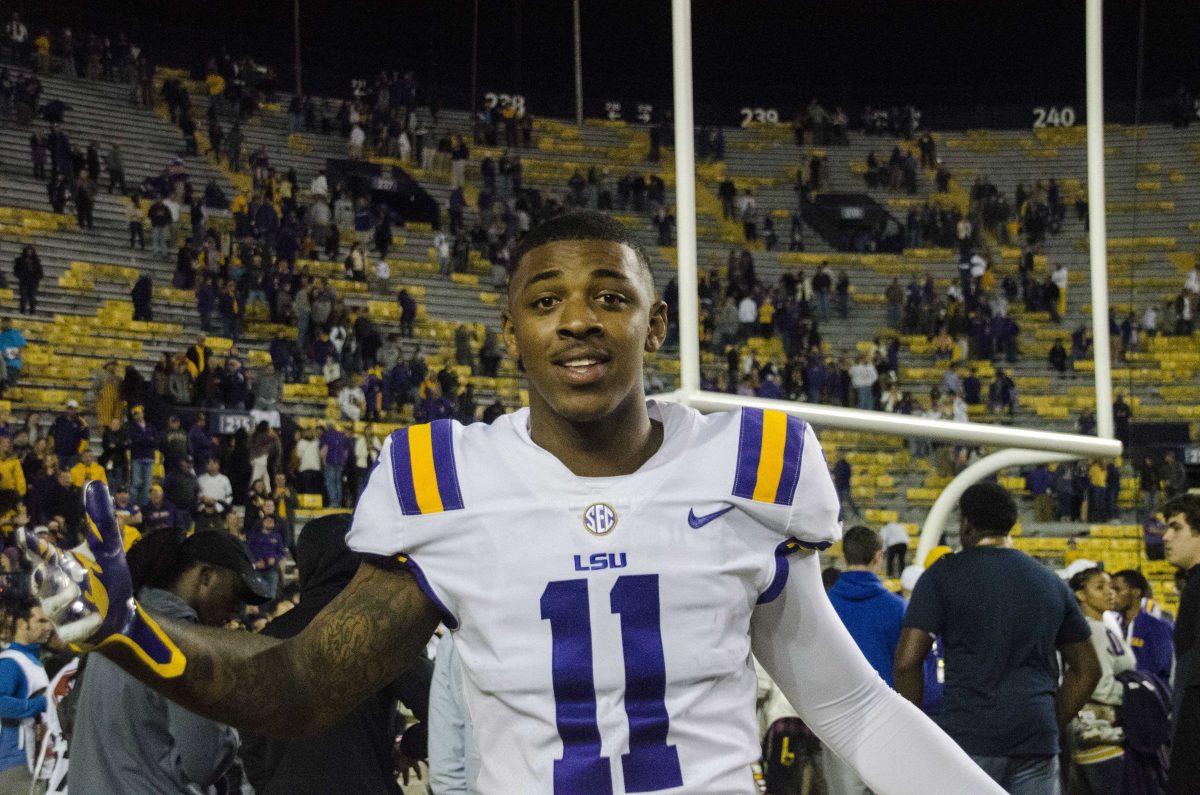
column 296, row 43
column 578, row 66
column 685, row 200
column 474, row 58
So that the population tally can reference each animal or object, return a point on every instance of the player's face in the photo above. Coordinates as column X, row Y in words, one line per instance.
column 581, row 315
column 1182, row 542
column 1098, row 593
column 1125, row 596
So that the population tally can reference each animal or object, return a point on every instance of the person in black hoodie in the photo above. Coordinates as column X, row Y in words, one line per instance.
column 356, row 754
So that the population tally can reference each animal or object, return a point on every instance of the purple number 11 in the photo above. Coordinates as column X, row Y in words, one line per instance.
column 651, row 764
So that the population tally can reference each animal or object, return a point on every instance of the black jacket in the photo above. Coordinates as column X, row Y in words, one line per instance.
column 1184, row 770
column 355, row 755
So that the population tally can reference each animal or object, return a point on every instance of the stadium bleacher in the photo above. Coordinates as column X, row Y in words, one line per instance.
column 87, row 320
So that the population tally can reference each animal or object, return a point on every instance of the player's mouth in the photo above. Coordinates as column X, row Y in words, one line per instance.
column 581, row 368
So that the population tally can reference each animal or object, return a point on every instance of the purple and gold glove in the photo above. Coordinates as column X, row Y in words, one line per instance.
column 91, row 602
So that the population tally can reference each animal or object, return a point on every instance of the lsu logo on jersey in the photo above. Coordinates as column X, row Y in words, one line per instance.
column 423, row 468
column 599, row 519
column 599, row 561
column 770, row 446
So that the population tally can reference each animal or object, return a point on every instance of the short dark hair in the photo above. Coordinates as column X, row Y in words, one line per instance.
column 860, row 545
column 1189, row 506
column 1135, row 579
column 579, row 225
column 1080, row 580
column 989, row 508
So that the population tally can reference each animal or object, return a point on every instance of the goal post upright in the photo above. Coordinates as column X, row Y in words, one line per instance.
column 685, row 200
column 1019, row 446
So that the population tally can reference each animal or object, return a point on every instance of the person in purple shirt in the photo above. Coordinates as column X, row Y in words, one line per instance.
column 335, row 450
column 372, row 387
column 1151, row 638
column 143, row 444
column 433, row 406
column 770, row 388
column 266, row 549
column 158, row 513
column 814, row 376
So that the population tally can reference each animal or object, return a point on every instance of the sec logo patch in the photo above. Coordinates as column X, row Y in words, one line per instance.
column 599, row 519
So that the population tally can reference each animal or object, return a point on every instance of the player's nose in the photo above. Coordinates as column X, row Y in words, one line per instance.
column 578, row 319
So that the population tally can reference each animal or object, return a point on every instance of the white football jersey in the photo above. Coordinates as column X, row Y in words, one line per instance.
column 603, row 624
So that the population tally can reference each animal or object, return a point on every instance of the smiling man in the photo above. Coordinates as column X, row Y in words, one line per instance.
column 608, row 563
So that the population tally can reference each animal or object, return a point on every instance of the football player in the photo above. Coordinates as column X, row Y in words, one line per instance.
column 607, row 562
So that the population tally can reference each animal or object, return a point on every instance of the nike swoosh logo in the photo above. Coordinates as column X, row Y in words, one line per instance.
column 699, row 521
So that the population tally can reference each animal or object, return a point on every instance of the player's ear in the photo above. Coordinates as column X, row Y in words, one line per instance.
column 509, row 333
column 656, row 333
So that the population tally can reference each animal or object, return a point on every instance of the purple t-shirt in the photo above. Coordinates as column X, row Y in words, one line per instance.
column 338, row 447
column 262, row 545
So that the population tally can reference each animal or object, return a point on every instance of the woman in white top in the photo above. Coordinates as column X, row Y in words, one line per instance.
column 1097, row 754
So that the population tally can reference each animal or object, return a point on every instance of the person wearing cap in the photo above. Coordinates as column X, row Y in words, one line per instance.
column 1001, row 617
column 70, row 433
column 128, row 738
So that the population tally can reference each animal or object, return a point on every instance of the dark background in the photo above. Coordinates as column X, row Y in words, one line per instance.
column 959, row 60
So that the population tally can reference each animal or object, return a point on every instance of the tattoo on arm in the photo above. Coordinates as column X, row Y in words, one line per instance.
column 358, row 644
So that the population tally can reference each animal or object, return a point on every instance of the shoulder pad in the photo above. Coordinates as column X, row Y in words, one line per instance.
column 424, row 470
column 770, row 445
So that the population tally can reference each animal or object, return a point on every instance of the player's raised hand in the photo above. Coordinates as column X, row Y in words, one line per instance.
column 91, row 602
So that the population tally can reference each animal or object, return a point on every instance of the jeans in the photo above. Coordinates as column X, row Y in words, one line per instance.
column 159, row 235
column 866, row 397
column 1023, row 775
column 893, row 315
column 271, row 578
column 139, row 487
column 333, row 485
column 823, row 305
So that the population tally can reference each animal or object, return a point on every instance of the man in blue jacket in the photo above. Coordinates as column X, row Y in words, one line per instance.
column 22, row 695
column 873, row 614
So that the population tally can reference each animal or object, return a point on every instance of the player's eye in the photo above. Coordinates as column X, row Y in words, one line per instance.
column 612, row 299
column 545, row 302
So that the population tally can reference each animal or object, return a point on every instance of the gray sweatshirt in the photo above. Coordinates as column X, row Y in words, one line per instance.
column 128, row 739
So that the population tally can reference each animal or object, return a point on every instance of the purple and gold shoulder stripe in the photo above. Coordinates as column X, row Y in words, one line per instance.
column 770, row 447
column 423, row 468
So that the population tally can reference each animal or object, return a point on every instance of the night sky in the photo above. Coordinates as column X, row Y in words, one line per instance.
column 748, row 52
